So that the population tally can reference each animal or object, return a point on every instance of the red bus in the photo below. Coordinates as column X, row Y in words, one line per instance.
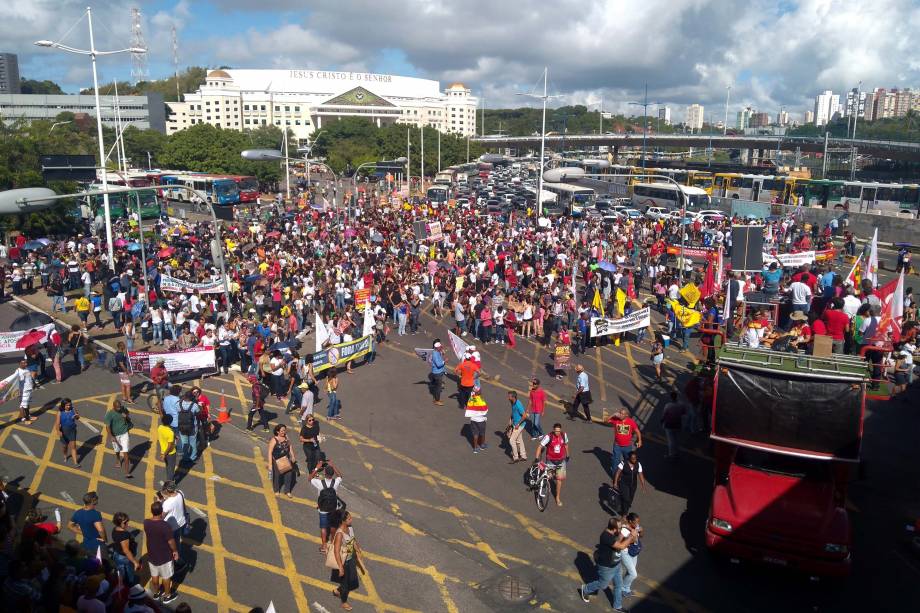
column 249, row 188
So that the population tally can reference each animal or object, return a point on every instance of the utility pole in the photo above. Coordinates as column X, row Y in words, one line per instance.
column 728, row 93
column 408, row 160
column 422, row 158
column 175, row 50
column 645, row 104
column 439, row 150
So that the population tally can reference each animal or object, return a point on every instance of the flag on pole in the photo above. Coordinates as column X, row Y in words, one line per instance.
column 99, row 553
column 574, row 275
column 458, row 345
column 322, row 334
column 709, row 282
column 892, row 297
column 872, row 266
column 852, row 277
column 726, row 308
column 597, row 303
column 621, row 302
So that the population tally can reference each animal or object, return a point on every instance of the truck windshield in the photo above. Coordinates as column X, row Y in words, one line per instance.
column 781, row 464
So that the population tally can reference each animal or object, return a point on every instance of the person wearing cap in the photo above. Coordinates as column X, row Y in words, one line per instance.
column 799, row 330
column 436, row 376
column 138, row 600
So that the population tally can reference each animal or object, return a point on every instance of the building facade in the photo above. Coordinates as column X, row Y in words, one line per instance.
column 695, row 116
column 9, row 74
column 142, row 112
column 827, row 104
column 664, row 115
column 743, row 118
column 306, row 100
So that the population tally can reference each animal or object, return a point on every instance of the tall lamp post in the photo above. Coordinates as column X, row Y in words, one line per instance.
column 92, row 52
column 645, row 106
column 544, row 97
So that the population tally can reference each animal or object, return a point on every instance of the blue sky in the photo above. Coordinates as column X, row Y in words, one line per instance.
column 772, row 52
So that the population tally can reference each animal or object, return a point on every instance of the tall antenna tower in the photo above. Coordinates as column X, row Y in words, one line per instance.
column 138, row 60
column 175, row 50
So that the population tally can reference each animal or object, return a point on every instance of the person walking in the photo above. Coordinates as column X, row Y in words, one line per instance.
column 609, row 552
column 672, row 422
column 124, row 548
column 347, row 555
column 626, row 481
column 626, row 437
column 281, row 461
column 467, row 370
column 537, row 406
column 630, row 557
column 436, row 376
column 174, row 510
column 65, row 425
column 118, row 425
column 309, row 438
column 166, row 441
column 582, row 394
column 258, row 404
column 26, row 385
column 87, row 522
column 328, row 501
column 123, row 369
column 162, row 554
column 333, row 406
column 517, row 423
column 188, row 427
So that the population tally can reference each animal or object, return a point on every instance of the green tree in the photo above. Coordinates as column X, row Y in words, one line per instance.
column 30, row 86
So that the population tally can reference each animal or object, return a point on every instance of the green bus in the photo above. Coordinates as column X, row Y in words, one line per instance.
column 120, row 204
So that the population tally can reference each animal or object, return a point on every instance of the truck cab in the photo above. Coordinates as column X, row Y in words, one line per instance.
column 787, row 430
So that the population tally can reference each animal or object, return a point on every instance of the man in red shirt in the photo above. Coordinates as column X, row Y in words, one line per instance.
column 837, row 323
column 625, row 429
column 537, row 404
column 160, row 378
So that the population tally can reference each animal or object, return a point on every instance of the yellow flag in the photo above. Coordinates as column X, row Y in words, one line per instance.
column 691, row 294
column 597, row 303
column 686, row 317
column 621, row 302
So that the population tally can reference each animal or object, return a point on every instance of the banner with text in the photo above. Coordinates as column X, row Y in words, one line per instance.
column 172, row 284
column 195, row 358
column 342, row 353
column 8, row 340
column 601, row 326
column 790, row 260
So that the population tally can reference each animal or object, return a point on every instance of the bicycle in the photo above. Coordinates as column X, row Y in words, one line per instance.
column 540, row 478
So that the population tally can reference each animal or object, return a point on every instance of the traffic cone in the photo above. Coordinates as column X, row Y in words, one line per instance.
column 224, row 416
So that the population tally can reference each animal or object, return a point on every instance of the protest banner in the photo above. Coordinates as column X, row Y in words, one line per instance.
column 342, row 353
column 694, row 253
column 9, row 387
column 790, row 260
column 172, row 284
column 435, row 234
column 423, row 354
column 561, row 357
column 691, row 294
column 195, row 358
column 601, row 326
column 458, row 345
column 8, row 340
column 362, row 296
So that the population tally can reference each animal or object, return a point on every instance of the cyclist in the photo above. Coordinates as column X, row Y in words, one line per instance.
column 556, row 445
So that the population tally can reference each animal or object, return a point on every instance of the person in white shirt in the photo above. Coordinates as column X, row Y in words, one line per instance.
column 851, row 303
column 174, row 512
column 800, row 294
column 26, row 385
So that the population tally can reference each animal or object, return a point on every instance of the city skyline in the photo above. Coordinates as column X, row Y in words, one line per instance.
column 634, row 45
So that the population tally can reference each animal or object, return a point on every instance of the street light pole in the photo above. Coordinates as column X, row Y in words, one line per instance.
column 728, row 93
column 92, row 52
column 645, row 104
column 544, row 97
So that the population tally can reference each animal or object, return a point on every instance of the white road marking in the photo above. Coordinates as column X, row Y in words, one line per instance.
column 320, row 608
column 22, row 446
column 197, row 511
column 90, row 426
column 67, row 497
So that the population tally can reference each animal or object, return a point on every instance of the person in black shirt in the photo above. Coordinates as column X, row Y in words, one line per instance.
column 613, row 541
column 309, row 436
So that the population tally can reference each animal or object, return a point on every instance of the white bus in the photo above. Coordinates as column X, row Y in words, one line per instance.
column 573, row 199
column 438, row 195
column 665, row 195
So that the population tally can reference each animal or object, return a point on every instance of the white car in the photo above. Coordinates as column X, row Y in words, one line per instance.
column 656, row 212
column 631, row 213
column 710, row 215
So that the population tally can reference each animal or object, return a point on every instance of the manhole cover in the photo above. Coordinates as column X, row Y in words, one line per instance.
column 513, row 589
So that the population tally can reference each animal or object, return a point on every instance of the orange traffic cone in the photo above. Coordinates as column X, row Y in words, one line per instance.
column 224, row 416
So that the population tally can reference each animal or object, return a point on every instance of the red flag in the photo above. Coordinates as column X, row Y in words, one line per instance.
column 892, row 296
column 709, row 282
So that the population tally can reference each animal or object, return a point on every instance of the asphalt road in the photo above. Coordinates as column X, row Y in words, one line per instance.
column 447, row 530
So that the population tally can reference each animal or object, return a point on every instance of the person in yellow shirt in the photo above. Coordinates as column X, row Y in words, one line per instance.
column 167, row 442
column 81, row 305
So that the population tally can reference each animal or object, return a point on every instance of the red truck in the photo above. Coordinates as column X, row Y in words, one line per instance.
column 787, row 430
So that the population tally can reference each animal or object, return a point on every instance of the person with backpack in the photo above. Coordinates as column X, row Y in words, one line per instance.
column 187, row 424
column 556, row 446
column 328, row 500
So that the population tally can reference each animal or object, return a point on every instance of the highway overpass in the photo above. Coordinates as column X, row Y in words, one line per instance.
column 892, row 150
